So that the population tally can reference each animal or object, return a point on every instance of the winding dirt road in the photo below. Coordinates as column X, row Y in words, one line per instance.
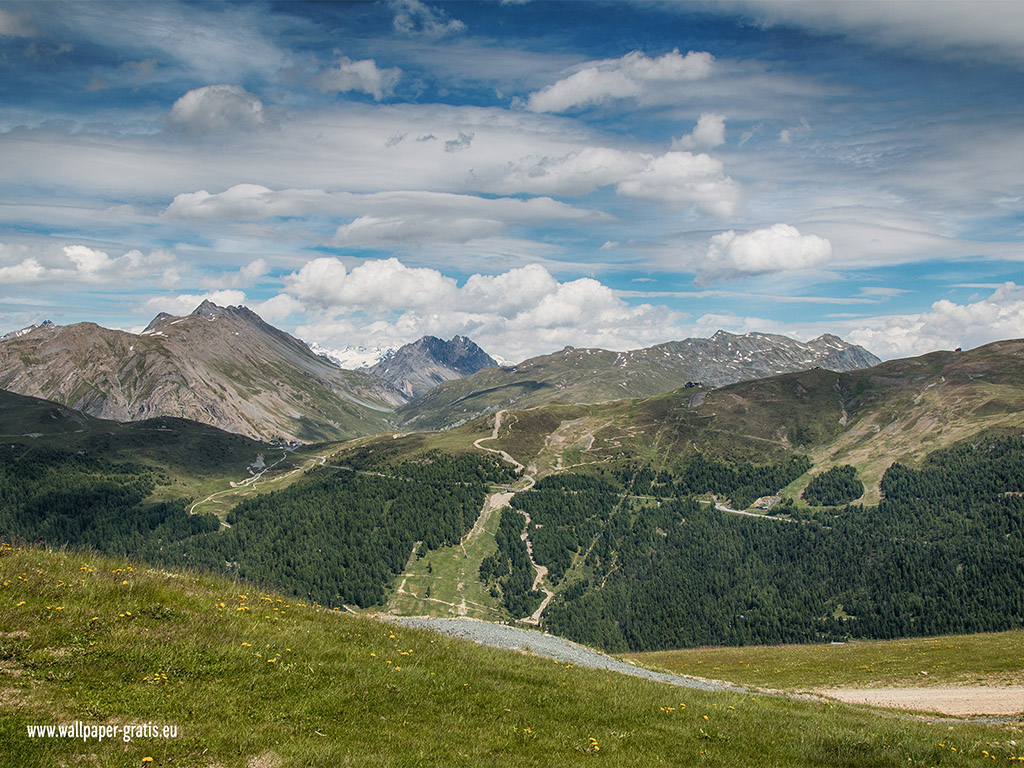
column 504, row 499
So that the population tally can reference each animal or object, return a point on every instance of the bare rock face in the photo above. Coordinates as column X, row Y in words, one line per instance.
column 417, row 368
column 219, row 365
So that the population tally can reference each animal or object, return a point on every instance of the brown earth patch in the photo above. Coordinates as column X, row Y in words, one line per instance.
column 957, row 701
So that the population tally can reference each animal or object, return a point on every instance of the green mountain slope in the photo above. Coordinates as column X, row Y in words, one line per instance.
column 898, row 410
column 244, row 678
column 188, row 454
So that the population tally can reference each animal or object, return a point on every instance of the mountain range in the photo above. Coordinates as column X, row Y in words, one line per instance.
column 596, row 375
column 226, row 367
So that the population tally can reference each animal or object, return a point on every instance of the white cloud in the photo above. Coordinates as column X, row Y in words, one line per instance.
column 217, row 108
column 185, row 303
column 632, row 76
column 684, row 179
column 243, row 277
column 363, row 76
column 248, row 202
column 576, row 173
column 417, row 19
column 88, row 261
column 508, row 293
column 779, row 248
column 987, row 29
column 709, row 132
column 27, row 271
column 413, row 230
column 946, row 326
column 676, row 179
column 521, row 312
column 80, row 264
column 411, row 218
column 375, row 284
column 277, row 308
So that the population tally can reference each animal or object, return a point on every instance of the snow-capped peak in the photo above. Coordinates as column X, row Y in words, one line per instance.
column 23, row 331
column 352, row 357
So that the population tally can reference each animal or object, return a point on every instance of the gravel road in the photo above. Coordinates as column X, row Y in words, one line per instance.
column 549, row 646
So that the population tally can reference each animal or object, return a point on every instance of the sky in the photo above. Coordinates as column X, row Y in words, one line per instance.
column 529, row 174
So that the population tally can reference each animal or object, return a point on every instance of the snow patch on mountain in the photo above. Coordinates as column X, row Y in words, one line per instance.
column 352, row 357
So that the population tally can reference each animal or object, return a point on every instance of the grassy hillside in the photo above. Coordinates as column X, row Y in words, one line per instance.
column 982, row 659
column 191, row 460
column 254, row 679
column 900, row 410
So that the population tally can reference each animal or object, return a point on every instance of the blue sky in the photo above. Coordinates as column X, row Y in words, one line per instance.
column 531, row 174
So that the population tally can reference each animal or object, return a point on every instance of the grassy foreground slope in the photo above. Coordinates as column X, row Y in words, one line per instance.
column 254, row 679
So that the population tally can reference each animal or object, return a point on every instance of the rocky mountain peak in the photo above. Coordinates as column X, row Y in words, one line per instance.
column 420, row 366
column 29, row 329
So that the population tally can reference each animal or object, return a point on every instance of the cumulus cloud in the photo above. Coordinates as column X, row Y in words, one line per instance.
column 631, row 76
column 779, row 248
column 217, row 108
column 379, row 283
column 709, row 132
column 947, row 325
column 26, row 271
column 676, row 179
column 363, row 76
column 521, row 312
column 684, row 179
column 414, row 18
column 80, row 263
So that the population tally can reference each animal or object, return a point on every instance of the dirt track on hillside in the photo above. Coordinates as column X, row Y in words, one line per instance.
column 956, row 701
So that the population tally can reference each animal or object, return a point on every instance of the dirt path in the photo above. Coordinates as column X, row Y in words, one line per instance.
column 504, row 499
column 538, row 581
column 249, row 483
column 956, row 701
column 494, row 436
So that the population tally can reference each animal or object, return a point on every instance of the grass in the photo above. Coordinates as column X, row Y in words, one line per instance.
column 982, row 659
column 262, row 680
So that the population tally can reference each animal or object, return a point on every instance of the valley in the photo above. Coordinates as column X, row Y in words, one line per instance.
column 694, row 531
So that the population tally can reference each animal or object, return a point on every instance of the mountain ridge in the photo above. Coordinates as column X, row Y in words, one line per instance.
column 591, row 375
column 220, row 366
